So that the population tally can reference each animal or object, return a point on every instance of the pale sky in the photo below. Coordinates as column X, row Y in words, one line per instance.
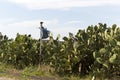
column 59, row 16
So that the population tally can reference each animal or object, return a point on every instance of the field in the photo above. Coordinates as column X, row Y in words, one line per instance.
column 91, row 53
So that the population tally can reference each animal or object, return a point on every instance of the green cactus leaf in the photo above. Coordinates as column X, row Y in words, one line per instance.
column 105, row 65
column 99, row 60
column 111, row 33
column 113, row 42
column 88, row 41
column 114, row 26
column 58, row 37
column 94, row 54
column 65, row 38
column 118, row 43
column 102, row 51
column 113, row 58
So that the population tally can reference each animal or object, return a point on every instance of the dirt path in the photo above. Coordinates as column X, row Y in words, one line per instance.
column 32, row 78
column 17, row 76
column 4, row 78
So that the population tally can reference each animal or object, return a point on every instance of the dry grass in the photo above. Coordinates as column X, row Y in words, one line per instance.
column 43, row 72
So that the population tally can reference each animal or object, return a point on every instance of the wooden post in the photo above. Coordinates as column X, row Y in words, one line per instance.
column 40, row 54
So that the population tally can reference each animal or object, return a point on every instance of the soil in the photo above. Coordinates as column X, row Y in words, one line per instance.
column 17, row 76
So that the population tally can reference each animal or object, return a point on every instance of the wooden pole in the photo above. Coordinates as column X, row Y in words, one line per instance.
column 40, row 54
column 41, row 25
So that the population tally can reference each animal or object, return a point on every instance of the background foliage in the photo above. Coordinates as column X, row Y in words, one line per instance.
column 94, row 50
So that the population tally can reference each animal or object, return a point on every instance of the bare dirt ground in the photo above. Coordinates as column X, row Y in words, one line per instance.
column 4, row 78
column 17, row 76
column 32, row 78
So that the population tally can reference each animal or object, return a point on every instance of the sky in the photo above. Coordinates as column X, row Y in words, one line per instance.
column 59, row 16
